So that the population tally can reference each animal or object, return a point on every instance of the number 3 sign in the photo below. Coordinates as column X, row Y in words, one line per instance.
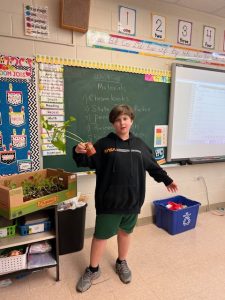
column 184, row 32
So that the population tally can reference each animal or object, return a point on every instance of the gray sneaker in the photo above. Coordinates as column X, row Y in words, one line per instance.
column 123, row 271
column 86, row 279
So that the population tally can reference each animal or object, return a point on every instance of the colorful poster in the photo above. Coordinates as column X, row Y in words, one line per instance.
column 36, row 21
column 160, row 136
column 16, row 68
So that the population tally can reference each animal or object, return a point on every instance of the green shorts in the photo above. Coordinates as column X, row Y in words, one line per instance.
column 107, row 225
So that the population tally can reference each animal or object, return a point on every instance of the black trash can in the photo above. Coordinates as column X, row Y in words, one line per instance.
column 71, row 226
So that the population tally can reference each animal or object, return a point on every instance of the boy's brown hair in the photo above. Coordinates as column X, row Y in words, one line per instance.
column 121, row 109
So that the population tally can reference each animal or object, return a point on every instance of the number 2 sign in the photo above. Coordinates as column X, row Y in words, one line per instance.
column 127, row 20
column 158, row 27
column 184, row 32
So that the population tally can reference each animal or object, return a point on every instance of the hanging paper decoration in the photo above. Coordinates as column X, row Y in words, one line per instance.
column 16, row 118
column 7, row 156
column 19, row 140
column 14, row 97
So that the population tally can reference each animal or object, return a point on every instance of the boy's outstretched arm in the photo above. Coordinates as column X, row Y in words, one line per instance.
column 172, row 187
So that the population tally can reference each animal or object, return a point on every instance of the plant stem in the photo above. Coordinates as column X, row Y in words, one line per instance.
column 77, row 136
column 76, row 140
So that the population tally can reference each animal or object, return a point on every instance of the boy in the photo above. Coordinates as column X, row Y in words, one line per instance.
column 121, row 162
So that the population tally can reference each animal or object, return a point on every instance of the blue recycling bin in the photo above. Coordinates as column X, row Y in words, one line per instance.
column 176, row 221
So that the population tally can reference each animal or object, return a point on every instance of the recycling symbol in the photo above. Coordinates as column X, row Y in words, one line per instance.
column 186, row 219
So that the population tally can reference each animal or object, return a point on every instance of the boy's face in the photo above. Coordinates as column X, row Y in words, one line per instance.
column 122, row 125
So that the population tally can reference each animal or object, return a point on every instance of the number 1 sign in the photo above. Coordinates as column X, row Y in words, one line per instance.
column 127, row 20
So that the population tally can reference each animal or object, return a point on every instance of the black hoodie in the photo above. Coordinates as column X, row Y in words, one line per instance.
column 120, row 173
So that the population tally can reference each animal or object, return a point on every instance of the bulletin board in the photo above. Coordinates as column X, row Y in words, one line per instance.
column 19, row 147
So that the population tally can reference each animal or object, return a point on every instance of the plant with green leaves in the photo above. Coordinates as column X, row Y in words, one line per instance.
column 36, row 186
column 58, row 133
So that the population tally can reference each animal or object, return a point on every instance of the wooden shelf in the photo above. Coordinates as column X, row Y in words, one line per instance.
column 19, row 240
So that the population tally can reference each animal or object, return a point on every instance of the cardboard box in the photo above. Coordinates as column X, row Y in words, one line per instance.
column 12, row 204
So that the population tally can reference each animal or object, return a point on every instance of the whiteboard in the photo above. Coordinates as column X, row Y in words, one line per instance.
column 196, row 113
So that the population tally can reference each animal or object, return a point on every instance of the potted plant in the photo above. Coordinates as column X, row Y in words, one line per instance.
column 58, row 134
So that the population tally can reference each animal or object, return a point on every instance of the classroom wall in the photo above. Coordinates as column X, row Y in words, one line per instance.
column 205, row 182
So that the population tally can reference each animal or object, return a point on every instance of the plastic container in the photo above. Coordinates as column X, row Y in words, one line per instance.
column 9, row 231
column 40, row 260
column 13, row 263
column 176, row 221
column 35, row 228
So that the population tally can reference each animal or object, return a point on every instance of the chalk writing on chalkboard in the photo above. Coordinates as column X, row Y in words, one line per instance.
column 106, row 92
column 90, row 95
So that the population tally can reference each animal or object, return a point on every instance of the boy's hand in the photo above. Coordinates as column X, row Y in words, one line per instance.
column 81, row 148
column 172, row 187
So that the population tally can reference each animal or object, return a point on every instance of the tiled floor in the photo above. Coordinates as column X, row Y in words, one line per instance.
column 187, row 266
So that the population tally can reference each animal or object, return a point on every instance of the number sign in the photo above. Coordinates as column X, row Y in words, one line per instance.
column 184, row 32
column 127, row 20
column 208, row 37
column 158, row 27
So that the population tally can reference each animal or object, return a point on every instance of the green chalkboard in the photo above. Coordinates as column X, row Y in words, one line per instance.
column 90, row 94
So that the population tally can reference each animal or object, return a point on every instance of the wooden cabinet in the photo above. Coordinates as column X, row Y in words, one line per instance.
column 18, row 240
